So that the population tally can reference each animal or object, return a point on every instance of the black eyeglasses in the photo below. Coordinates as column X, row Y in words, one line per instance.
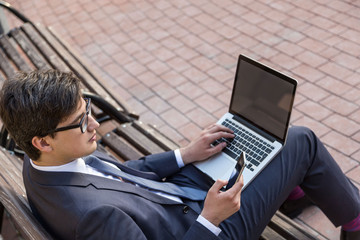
column 83, row 122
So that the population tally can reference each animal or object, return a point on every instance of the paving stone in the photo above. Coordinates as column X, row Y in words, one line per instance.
column 347, row 61
column 208, row 50
column 288, row 48
column 191, row 130
column 310, row 58
column 178, row 64
column 175, row 118
column 339, row 105
column 342, row 124
column 165, row 91
column 181, row 103
column 190, row 90
column 314, row 110
column 346, row 163
column 173, row 78
column 209, row 103
column 333, row 85
column 157, row 104
column 213, row 87
column 158, row 67
column 173, row 134
column 201, row 117
column 195, row 75
column 355, row 174
column 356, row 157
column 285, row 61
column 319, row 128
column 356, row 116
column 308, row 73
column 320, row 223
column 339, row 141
column 312, row 91
column 141, row 91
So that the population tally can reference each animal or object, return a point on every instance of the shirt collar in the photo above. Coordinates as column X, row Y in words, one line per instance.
column 78, row 165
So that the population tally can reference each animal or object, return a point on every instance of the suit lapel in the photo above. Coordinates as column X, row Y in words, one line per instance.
column 104, row 157
column 167, row 187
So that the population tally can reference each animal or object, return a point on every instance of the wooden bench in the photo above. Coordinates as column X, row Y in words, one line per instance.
column 13, row 198
column 121, row 134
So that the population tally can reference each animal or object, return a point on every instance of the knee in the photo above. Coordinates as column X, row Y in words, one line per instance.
column 304, row 134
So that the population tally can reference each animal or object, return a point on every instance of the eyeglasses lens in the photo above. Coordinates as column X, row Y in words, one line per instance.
column 86, row 120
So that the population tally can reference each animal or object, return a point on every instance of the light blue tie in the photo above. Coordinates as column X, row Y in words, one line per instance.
column 181, row 191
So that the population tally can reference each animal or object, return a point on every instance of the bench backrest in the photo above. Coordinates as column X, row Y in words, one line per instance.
column 13, row 198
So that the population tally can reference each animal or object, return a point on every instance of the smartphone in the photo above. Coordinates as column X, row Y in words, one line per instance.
column 239, row 168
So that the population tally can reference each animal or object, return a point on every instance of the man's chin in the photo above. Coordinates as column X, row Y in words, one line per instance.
column 92, row 149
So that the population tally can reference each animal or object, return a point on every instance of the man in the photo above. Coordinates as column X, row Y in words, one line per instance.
column 78, row 193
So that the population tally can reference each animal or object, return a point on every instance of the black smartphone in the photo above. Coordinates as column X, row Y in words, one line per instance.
column 239, row 168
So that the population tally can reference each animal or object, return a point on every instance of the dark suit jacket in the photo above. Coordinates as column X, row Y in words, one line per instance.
column 82, row 206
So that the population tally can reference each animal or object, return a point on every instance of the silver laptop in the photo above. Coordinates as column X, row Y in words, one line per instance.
column 259, row 114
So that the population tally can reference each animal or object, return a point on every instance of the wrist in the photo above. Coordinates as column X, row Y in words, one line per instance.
column 214, row 229
column 213, row 220
column 185, row 155
column 179, row 159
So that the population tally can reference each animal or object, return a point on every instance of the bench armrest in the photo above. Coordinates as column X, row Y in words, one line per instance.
column 11, row 9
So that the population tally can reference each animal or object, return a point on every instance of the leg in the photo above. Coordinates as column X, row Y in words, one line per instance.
column 304, row 161
column 190, row 176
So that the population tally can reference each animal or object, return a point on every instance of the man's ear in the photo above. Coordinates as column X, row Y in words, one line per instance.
column 41, row 144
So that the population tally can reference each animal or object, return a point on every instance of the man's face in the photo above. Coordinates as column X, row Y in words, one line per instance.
column 71, row 144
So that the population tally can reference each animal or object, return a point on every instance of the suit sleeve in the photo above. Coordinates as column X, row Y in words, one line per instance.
column 198, row 232
column 163, row 164
column 108, row 222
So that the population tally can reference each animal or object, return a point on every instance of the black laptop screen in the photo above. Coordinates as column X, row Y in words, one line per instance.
column 263, row 96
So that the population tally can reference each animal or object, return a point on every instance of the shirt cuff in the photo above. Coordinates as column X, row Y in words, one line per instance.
column 179, row 159
column 212, row 228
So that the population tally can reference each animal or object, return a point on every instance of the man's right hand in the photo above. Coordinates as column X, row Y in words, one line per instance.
column 200, row 148
column 220, row 205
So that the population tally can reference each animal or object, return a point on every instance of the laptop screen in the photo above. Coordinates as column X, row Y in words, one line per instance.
column 263, row 96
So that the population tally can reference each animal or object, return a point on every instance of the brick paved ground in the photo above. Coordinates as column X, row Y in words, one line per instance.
column 174, row 61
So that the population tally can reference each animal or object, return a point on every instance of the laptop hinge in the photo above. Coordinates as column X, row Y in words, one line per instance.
column 255, row 129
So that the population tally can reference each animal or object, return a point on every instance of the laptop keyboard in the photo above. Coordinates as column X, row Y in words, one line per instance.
column 255, row 148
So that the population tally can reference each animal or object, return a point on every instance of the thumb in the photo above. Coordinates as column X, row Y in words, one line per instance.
column 218, row 148
column 219, row 184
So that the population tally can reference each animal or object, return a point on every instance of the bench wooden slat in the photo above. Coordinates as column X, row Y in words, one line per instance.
column 288, row 228
column 138, row 140
column 12, row 197
column 270, row 234
column 2, row 78
column 121, row 147
column 13, row 173
column 154, row 135
column 5, row 65
column 24, row 219
column 17, row 162
column 44, row 47
column 15, row 56
column 33, row 54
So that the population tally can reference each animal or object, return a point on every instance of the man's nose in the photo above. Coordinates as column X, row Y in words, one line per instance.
column 93, row 124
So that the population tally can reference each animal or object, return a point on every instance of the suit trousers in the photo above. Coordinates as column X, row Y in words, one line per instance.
column 303, row 161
